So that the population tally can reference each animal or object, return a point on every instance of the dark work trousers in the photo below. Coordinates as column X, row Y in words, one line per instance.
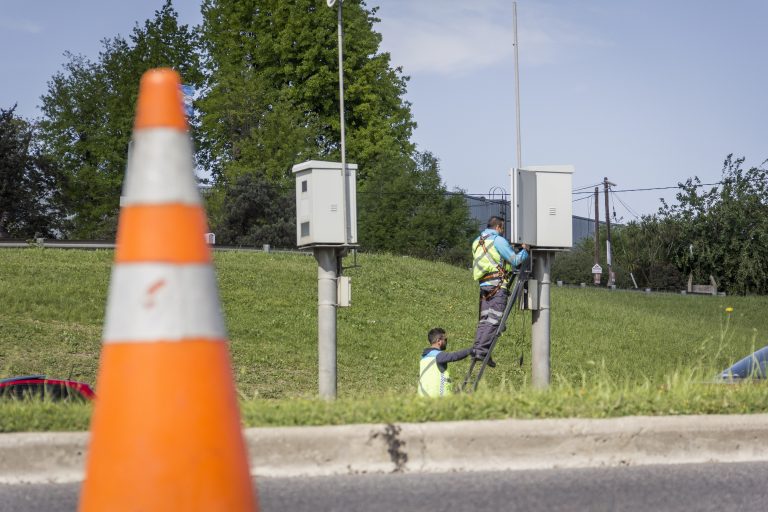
column 491, row 311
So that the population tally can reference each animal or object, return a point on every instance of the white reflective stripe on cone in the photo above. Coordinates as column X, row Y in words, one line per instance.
column 160, row 168
column 151, row 302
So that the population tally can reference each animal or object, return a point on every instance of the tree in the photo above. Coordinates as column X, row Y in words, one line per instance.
column 256, row 212
column 273, row 98
column 724, row 230
column 573, row 267
column 412, row 213
column 89, row 108
column 641, row 249
column 273, row 102
column 646, row 249
column 30, row 199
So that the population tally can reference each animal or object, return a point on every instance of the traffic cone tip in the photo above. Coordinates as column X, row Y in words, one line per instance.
column 160, row 103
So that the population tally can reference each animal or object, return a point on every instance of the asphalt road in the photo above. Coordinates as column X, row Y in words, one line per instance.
column 700, row 487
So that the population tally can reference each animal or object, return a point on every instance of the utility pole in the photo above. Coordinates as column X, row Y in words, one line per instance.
column 542, row 262
column 597, row 237
column 611, row 277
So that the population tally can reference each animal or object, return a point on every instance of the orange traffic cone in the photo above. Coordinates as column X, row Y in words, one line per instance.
column 165, row 432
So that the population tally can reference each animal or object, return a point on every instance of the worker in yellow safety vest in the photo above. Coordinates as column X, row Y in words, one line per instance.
column 434, row 378
column 494, row 259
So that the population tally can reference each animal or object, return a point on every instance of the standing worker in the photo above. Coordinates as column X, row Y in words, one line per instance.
column 434, row 379
column 494, row 259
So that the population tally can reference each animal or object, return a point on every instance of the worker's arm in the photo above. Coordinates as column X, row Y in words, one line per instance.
column 450, row 357
column 506, row 252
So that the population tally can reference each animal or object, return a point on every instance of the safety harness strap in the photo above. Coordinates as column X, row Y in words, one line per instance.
column 487, row 255
column 494, row 275
column 501, row 274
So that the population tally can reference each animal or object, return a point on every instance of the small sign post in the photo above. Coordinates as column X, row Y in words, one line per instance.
column 597, row 271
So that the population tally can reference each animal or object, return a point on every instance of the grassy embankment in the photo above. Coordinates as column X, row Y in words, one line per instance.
column 613, row 353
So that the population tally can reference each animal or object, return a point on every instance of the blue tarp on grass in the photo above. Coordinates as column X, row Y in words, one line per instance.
column 751, row 367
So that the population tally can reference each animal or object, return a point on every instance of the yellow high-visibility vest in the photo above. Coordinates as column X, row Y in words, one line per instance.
column 433, row 382
column 487, row 259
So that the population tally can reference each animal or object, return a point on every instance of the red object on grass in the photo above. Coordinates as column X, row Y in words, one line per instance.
column 41, row 388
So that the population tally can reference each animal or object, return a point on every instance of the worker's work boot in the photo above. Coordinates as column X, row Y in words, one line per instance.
column 491, row 363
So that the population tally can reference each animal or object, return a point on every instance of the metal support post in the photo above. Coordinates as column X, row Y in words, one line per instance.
column 342, row 129
column 540, row 341
column 517, row 90
column 327, row 268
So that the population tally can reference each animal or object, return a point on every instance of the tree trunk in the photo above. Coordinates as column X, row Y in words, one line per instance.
column 3, row 220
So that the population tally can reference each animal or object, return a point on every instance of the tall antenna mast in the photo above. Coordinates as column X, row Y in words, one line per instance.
column 517, row 91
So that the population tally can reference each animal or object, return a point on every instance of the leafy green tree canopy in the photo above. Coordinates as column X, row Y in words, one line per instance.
column 724, row 230
column 89, row 108
column 254, row 212
column 273, row 88
column 720, row 231
column 412, row 213
column 30, row 199
column 273, row 102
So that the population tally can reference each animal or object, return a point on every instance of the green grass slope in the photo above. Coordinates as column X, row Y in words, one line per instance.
column 610, row 344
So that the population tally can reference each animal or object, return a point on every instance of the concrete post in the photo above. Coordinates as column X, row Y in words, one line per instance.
column 540, row 341
column 326, row 320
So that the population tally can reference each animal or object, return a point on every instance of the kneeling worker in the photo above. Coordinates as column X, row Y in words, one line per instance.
column 434, row 379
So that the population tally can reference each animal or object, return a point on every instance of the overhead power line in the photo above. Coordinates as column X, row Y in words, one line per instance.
column 627, row 208
column 664, row 188
column 581, row 199
column 589, row 186
column 654, row 188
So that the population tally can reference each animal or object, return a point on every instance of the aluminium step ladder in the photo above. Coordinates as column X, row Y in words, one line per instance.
column 515, row 290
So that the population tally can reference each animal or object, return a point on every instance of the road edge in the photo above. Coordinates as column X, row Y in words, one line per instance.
column 491, row 445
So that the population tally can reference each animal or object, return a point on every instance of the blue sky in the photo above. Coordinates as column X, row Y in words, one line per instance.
column 647, row 93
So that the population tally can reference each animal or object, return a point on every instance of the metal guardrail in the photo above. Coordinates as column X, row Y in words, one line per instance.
column 57, row 244
column 589, row 286
column 89, row 244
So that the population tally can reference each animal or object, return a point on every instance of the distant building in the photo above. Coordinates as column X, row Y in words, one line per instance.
column 481, row 209
column 584, row 227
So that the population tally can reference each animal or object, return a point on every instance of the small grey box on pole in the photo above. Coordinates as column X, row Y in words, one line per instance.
column 326, row 222
column 542, row 218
